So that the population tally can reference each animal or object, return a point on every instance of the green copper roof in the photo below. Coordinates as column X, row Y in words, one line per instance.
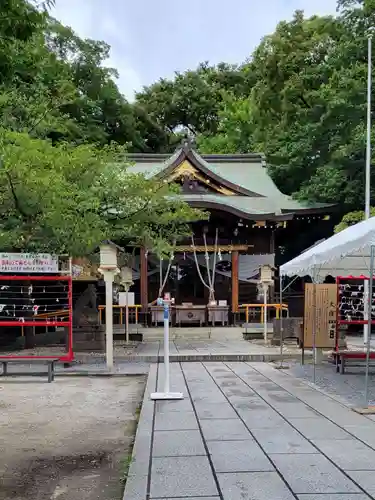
column 246, row 174
column 248, row 206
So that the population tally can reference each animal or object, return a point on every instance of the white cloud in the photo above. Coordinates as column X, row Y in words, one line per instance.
column 154, row 38
column 89, row 20
column 129, row 81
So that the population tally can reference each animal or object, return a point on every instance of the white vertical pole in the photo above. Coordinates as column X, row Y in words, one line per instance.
column 108, row 278
column 166, row 347
column 368, row 173
column 314, row 327
column 368, row 344
column 368, row 140
column 166, row 394
column 127, row 313
column 265, row 300
column 281, row 321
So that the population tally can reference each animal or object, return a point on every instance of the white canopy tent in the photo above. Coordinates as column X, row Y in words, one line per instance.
column 348, row 253
column 344, row 254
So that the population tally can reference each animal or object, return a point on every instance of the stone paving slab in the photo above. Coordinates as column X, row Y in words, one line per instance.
column 334, row 496
column 181, row 476
column 178, row 443
column 261, row 419
column 319, row 428
column 238, row 456
column 174, row 421
column 262, row 436
column 312, row 474
column 224, row 430
column 254, row 486
column 285, row 440
column 349, row 454
column 365, row 479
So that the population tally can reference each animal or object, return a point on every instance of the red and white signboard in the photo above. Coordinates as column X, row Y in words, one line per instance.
column 28, row 263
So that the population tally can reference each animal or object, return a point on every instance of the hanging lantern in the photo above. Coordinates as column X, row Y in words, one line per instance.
column 126, row 275
column 108, row 256
column 266, row 274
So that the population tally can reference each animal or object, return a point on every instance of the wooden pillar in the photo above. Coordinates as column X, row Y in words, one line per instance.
column 272, row 241
column 234, row 281
column 272, row 294
column 144, row 281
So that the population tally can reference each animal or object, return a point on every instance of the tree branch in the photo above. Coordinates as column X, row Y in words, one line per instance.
column 304, row 101
column 142, row 209
column 39, row 120
column 15, row 197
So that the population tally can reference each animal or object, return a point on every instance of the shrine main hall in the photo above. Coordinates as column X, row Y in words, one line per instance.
column 249, row 219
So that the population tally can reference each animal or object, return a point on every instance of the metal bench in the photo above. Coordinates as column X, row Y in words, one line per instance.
column 342, row 356
column 50, row 362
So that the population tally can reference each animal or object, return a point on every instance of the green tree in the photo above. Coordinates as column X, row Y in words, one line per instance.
column 295, row 124
column 235, row 128
column 352, row 218
column 64, row 199
column 192, row 100
column 309, row 104
column 54, row 85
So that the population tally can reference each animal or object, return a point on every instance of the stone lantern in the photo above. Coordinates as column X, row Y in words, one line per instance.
column 126, row 278
column 266, row 280
column 108, row 268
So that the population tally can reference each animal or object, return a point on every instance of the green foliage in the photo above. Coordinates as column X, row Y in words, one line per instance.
column 192, row 100
column 64, row 186
column 352, row 218
column 300, row 99
column 65, row 199
column 297, row 113
column 315, row 137
column 54, row 84
column 234, row 130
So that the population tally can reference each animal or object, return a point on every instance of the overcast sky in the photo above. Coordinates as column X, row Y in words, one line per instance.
column 153, row 38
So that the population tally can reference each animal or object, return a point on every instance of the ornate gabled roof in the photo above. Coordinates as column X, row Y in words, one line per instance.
column 237, row 183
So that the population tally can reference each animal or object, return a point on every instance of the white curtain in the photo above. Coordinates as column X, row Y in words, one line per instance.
column 248, row 265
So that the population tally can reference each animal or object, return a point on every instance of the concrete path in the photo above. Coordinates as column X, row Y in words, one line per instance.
column 213, row 350
column 246, row 431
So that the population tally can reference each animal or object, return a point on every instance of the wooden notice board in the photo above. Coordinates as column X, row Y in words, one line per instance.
column 324, row 317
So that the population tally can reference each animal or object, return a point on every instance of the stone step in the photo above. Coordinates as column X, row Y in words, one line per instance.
column 89, row 347
column 201, row 357
column 204, row 332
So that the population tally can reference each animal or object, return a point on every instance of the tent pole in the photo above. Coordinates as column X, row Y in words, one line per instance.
column 281, row 315
column 281, row 321
column 366, row 328
column 314, row 327
column 368, row 343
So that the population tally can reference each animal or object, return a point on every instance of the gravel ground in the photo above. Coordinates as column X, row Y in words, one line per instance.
column 70, row 439
column 349, row 386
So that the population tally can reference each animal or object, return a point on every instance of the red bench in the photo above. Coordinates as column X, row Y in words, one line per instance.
column 340, row 357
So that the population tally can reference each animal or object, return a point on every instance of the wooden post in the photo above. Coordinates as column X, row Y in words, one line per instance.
column 144, row 283
column 234, row 281
column 272, row 293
